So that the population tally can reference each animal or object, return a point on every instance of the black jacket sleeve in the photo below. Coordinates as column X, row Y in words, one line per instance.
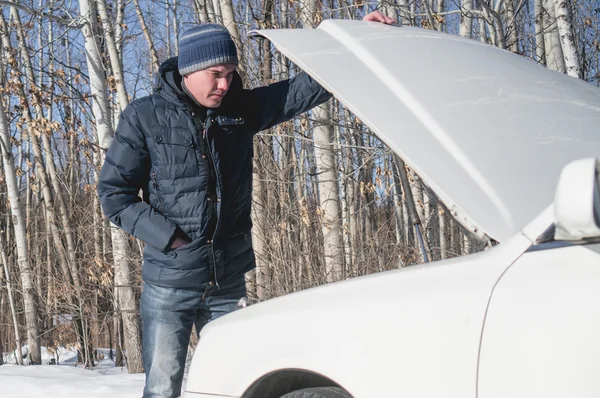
column 124, row 173
column 284, row 100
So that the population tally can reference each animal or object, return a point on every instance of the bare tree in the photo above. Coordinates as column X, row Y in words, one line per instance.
column 511, row 27
column 201, row 11
column 554, row 55
column 29, row 297
column 19, row 222
column 125, row 295
column 115, row 59
column 567, row 40
column 329, row 198
column 146, row 31
column 11, row 300
column 227, row 17
column 466, row 19
column 540, row 47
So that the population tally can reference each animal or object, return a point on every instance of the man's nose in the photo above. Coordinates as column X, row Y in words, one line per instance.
column 223, row 84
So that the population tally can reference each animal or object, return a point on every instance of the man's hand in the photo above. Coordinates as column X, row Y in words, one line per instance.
column 178, row 242
column 179, row 239
column 376, row 16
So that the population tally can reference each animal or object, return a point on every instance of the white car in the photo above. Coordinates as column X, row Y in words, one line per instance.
column 511, row 149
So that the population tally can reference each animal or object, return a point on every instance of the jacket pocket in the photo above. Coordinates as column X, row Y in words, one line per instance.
column 185, row 267
column 194, row 255
column 174, row 146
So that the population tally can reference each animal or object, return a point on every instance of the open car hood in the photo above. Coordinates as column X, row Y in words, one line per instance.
column 487, row 130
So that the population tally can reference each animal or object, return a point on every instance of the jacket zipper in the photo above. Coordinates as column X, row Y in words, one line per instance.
column 213, row 205
column 161, row 205
column 205, row 149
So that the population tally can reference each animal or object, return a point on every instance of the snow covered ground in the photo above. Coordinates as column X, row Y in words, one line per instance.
column 66, row 380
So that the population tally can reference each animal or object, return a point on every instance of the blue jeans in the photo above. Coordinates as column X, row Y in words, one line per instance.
column 167, row 318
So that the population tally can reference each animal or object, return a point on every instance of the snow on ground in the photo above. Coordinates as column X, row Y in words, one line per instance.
column 67, row 380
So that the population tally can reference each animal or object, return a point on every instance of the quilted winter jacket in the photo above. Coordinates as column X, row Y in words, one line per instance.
column 194, row 167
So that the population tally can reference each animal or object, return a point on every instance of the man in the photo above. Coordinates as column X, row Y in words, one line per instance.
column 188, row 147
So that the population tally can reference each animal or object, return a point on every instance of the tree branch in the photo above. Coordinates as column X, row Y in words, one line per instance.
column 65, row 21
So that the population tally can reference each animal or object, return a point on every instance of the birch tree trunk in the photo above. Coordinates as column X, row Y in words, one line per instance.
column 29, row 298
column 442, row 222
column 228, row 16
column 511, row 27
column 125, row 298
column 175, row 25
column 4, row 265
column 115, row 59
column 387, row 9
column 260, row 239
column 98, row 88
column 411, row 207
column 118, row 26
column 422, row 241
column 11, row 300
column 168, row 27
column 211, row 11
column 567, row 40
column 144, row 26
column 466, row 245
column 495, row 24
column 453, row 240
column 229, row 22
column 350, row 199
column 405, row 16
column 201, row 11
column 346, row 204
column 466, row 19
column 19, row 222
column 441, row 21
column 217, row 12
column 554, row 55
column 482, row 30
column 122, row 278
column 259, row 216
column 329, row 197
column 397, row 195
column 304, row 215
column 540, row 47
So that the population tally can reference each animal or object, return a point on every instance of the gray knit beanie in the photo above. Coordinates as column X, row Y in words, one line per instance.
column 204, row 46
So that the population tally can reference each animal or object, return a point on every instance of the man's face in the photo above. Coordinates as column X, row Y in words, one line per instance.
column 209, row 86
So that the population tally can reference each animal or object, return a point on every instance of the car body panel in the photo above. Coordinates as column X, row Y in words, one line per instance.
column 489, row 131
column 394, row 331
column 541, row 333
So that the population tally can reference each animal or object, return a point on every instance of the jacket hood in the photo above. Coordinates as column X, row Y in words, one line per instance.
column 168, row 81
